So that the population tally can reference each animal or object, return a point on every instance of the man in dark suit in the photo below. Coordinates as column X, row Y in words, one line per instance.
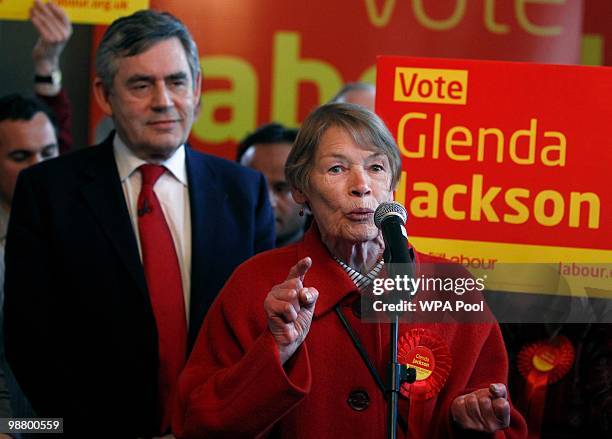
column 115, row 252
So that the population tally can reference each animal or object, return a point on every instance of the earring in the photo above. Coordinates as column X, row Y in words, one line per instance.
column 302, row 211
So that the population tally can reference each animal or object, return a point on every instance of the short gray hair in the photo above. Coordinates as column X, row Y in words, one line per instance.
column 365, row 127
column 135, row 34
column 352, row 86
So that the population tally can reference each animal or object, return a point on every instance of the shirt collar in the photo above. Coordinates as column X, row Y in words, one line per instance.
column 128, row 162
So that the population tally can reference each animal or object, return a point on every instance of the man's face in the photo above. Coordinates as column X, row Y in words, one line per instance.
column 270, row 159
column 152, row 100
column 23, row 143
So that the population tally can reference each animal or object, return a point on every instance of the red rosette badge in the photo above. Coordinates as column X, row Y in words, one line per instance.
column 546, row 361
column 428, row 353
column 542, row 363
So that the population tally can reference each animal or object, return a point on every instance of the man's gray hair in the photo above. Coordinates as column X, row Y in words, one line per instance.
column 365, row 127
column 352, row 86
column 135, row 34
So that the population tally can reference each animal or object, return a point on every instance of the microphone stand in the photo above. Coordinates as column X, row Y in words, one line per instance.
column 397, row 373
column 390, row 218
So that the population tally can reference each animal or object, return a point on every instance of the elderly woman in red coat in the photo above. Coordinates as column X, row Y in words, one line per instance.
column 274, row 358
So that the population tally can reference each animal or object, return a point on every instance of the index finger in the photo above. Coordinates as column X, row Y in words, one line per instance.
column 498, row 390
column 299, row 270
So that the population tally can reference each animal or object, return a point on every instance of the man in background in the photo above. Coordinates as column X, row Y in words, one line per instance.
column 27, row 137
column 266, row 150
column 31, row 132
column 115, row 252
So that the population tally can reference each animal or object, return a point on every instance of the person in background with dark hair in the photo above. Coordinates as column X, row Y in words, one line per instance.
column 115, row 252
column 266, row 150
column 358, row 93
column 27, row 136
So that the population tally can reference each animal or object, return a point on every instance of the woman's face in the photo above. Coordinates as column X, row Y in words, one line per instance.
column 347, row 183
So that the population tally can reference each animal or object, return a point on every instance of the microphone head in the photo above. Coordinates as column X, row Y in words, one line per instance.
column 387, row 209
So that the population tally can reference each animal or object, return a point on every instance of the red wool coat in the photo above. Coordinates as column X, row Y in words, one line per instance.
column 234, row 385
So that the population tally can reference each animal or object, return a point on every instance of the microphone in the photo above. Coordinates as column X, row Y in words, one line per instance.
column 390, row 218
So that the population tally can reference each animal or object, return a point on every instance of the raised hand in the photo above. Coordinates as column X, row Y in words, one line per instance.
column 54, row 31
column 289, row 307
column 486, row 409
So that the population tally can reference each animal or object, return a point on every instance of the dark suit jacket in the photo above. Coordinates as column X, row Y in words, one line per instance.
column 80, row 332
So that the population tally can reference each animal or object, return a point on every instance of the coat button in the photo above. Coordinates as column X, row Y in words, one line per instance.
column 358, row 400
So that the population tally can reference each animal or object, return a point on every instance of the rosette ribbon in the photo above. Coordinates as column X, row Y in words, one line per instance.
column 542, row 363
column 428, row 353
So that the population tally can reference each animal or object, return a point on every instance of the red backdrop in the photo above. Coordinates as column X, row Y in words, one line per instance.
column 267, row 60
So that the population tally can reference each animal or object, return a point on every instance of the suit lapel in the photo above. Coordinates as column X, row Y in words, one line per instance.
column 206, row 201
column 104, row 195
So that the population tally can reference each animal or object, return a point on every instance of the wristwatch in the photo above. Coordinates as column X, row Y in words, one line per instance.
column 54, row 79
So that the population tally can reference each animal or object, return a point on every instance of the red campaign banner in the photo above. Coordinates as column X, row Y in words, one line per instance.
column 510, row 158
column 275, row 60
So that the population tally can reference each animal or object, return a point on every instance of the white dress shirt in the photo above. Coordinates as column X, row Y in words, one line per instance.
column 4, row 220
column 173, row 194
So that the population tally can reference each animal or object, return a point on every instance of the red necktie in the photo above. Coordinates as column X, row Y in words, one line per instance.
column 163, row 274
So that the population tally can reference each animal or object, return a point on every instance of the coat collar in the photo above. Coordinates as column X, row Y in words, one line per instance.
column 103, row 193
column 330, row 279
